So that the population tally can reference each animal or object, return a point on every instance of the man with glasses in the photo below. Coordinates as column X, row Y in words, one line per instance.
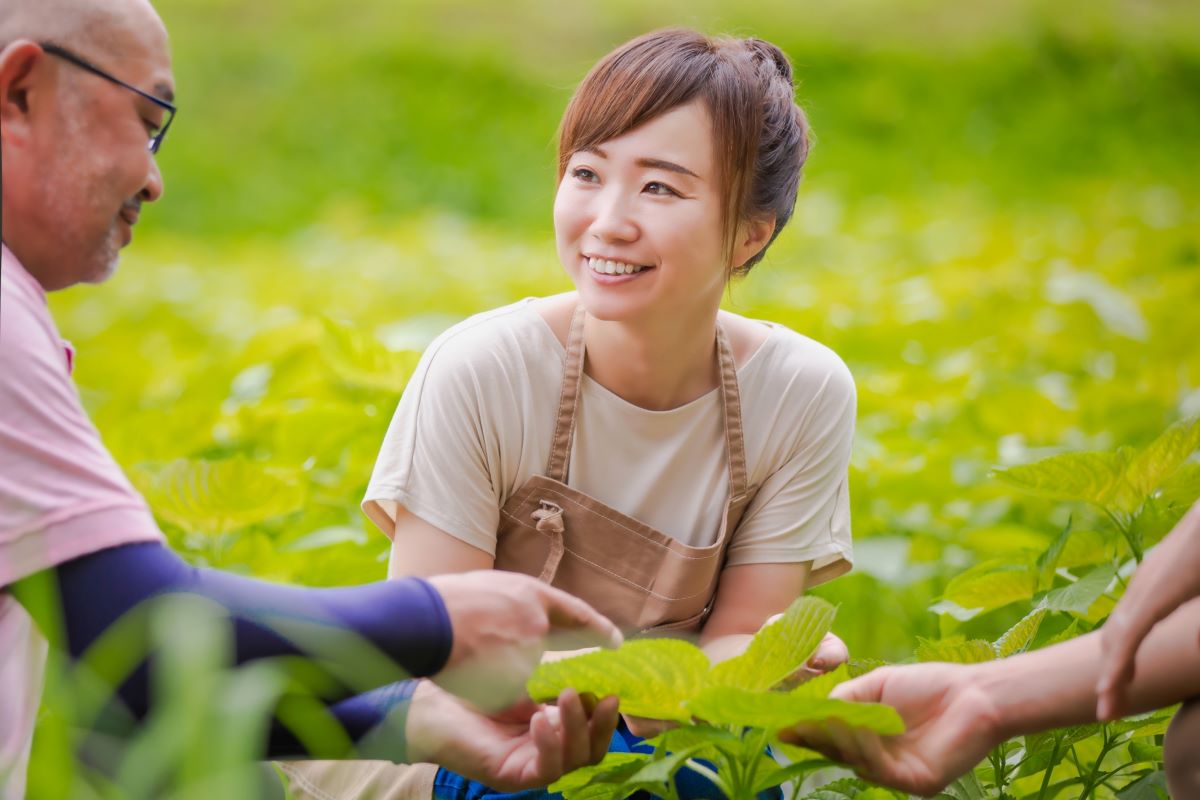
column 86, row 99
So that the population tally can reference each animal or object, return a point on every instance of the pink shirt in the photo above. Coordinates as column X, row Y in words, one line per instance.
column 61, row 495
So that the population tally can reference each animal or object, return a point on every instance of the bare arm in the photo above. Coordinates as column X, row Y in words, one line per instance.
column 421, row 550
column 955, row 714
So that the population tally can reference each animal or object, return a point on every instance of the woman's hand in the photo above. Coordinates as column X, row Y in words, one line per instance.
column 1169, row 577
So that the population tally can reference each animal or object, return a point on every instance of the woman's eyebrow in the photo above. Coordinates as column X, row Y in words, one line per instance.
column 669, row 166
column 647, row 163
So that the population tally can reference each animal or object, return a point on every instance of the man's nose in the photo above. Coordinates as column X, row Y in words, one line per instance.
column 154, row 183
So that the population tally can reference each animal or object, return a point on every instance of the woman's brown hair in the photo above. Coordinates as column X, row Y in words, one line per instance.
column 760, row 135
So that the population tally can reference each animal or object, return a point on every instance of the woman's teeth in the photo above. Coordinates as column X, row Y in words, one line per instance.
column 606, row 267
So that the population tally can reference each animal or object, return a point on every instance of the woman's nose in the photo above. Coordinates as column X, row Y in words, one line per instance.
column 613, row 220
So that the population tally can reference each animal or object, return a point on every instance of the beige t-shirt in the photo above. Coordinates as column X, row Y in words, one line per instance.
column 477, row 418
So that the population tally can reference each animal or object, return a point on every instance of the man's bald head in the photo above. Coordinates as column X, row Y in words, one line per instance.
column 75, row 145
column 103, row 25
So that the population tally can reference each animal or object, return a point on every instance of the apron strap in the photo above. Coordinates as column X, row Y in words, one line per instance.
column 731, row 405
column 568, row 401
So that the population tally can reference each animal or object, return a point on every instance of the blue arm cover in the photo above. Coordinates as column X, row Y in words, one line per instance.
column 404, row 620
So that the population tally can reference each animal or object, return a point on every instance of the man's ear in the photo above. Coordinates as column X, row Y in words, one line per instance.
column 751, row 237
column 18, row 86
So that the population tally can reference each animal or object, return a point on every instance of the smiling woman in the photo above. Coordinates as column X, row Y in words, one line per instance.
column 680, row 467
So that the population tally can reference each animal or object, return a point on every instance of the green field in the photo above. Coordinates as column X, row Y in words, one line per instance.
column 999, row 231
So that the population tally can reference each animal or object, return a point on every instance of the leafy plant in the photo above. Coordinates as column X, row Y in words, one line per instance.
column 727, row 713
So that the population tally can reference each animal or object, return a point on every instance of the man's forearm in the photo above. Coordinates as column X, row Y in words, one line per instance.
column 1056, row 686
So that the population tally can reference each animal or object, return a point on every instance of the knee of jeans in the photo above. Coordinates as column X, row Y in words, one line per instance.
column 1181, row 751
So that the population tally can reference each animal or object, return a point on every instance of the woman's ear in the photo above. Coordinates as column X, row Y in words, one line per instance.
column 751, row 237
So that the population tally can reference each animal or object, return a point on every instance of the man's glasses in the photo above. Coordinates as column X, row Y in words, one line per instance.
column 156, row 139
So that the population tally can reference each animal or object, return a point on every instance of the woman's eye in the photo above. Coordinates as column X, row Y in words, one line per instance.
column 151, row 127
column 583, row 174
column 661, row 189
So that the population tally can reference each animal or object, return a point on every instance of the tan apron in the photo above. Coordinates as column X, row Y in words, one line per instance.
column 642, row 579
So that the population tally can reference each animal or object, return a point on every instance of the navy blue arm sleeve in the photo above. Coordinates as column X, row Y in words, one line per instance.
column 404, row 620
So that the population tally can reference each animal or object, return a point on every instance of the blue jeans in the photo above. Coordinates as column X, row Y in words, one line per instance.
column 690, row 785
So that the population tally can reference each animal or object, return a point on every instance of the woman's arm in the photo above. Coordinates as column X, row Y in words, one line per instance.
column 747, row 597
column 421, row 550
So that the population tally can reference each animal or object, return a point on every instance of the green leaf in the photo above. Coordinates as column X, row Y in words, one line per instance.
column 711, row 741
column 956, row 650
column 653, row 677
column 1018, row 638
column 1150, row 468
column 1182, row 489
column 361, row 361
column 822, row 685
column 655, row 773
column 613, row 769
column 1048, row 561
column 1083, row 549
column 326, row 537
column 1152, row 786
column 780, row 648
column 1080, row 595
column 1142, row 751
column 991, row 585
column 769, row 779
column 1091, row 477
column 219, row 496
column 726, row 705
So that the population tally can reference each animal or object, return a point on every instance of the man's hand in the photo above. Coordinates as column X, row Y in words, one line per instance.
column 1167, row 579
column 951, row 725
column 502, row 623
column 527, row 746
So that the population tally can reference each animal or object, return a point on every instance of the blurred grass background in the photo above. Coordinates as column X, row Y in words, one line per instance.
column 999, row 230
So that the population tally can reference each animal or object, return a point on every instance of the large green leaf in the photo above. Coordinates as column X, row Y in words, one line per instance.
column 991, row 585
column 612, row 771
column 653, row 677
column 360, row 360
column 779, row 648
column 1079, row 596
column 726, row 705
column 1097, row 478
column 956, row 650
column 1150, row 468
column 1018, row 638
column 219, row 496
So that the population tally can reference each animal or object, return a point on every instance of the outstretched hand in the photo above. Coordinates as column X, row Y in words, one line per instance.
column 502, row 624
column 1167, row 579
column 951, row 725
column 529, row 745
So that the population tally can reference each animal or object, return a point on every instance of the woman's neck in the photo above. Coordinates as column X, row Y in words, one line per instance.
column 657, row 364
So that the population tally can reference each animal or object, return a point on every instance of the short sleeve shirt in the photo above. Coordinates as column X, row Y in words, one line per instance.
column 61, row 494
column 477, row 418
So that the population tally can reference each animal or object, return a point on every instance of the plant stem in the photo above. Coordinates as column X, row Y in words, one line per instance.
column 717, row 780
column 1049, row 768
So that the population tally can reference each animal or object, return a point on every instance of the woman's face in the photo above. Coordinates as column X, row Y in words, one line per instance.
column 638, row 220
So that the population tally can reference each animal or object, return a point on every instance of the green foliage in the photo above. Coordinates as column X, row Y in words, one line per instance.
column 727, row 714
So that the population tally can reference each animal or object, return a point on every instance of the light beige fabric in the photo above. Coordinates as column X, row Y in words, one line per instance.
column 358, row 780
column 477, row 419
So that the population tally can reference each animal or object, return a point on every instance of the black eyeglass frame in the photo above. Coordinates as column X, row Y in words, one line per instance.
column 66, row 55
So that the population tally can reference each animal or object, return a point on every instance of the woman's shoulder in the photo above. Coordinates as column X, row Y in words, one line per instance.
column 788, row 362
column 503, row 336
